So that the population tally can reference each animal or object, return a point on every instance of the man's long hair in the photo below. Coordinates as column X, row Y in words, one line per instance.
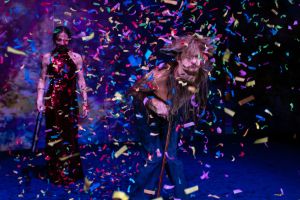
column 186, row 46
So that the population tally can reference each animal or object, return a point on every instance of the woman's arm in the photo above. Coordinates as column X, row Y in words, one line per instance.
column 82, row 85
column 41, row 83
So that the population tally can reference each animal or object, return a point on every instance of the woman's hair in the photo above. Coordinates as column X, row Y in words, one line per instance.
column 186, row 46
column 61, row 29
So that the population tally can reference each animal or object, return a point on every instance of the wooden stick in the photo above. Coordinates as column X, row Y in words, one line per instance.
column 164, row 159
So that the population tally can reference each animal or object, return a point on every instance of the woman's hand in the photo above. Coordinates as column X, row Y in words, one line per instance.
column 159, row 107
column 40, row 105
column 85, row 111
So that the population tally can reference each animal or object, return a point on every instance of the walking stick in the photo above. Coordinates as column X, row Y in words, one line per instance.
column 164, row 158
column 38, row 122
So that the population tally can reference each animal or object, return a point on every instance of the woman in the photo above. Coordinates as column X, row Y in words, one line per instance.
column 64, row 69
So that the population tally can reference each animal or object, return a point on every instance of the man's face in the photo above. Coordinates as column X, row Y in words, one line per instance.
column 192, row 63
column 62, row 39
column 189, row 65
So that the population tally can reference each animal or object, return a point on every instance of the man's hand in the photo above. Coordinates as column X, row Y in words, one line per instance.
column 159, row 107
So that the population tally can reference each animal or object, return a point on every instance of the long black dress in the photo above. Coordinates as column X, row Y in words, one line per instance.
column 61, row 115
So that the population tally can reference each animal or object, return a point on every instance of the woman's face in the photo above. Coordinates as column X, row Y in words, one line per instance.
column 62, row 39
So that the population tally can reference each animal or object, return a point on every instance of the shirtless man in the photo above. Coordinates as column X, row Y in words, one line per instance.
column 162, row 96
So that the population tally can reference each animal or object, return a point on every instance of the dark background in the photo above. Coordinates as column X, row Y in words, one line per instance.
column 262, row 37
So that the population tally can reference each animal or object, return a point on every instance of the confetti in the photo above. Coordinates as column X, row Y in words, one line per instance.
column 246, row 100
column 87, row 184
column 229, row 112
column 120, row 195
column 89, row 37
column 261, row 140
column 237, row 191
column 15, row 51
column 151, row 192
column 121, row 151
column 191, row 190
column 173, row 2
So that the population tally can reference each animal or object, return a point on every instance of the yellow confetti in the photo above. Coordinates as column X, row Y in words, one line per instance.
column 89, row 37
column 51, row 144
column 257, row 126
column 121, row 151
column 226, row 56
column 159, row 198
column 191, row 189
column 15, row 51
column 120, row 195
column 236, row 23
column 261, row 140
column 69, row 156
column 193, row 150
column 87, row 184
column 118, row 96
column 250, row 83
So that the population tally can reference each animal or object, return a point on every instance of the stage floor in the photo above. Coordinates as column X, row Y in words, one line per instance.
column 264, row 172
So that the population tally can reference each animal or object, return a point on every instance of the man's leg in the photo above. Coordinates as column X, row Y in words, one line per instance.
column 174, row 166
column 149, row 127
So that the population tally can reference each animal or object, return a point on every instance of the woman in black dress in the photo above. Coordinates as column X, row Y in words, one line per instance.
column 63, row 67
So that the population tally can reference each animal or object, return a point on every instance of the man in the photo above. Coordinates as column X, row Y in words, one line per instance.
column 162, row 98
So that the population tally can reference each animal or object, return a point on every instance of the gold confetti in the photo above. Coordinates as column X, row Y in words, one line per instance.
column 149, row 192
column 246, row 132
column 191, row 189
column 226, row 56
column 240, row 79
column 121, row 151
column 159, row 198
column 261, row 140
column 246, row 100
column 229, row 112
column 15, row 51
column 69, row 156
column 89, row 37
column 170, row 2
column 51, row 144
column 250, row 83
column 120, row 195
column 87, row 184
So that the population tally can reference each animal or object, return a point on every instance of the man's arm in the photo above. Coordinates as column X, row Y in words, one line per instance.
column 144, row 89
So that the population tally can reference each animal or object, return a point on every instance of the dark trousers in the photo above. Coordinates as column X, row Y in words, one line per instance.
column 153, row 131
